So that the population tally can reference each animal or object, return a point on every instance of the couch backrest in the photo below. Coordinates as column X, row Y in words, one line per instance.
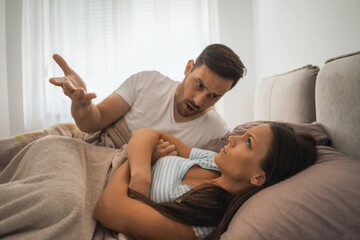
column 287, row 97
column 337, row 95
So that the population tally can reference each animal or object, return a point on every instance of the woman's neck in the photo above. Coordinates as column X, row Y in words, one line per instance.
column 233, row 188
column 197, row 176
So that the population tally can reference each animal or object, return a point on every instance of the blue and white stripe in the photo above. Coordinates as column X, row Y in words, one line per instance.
column 168, row 172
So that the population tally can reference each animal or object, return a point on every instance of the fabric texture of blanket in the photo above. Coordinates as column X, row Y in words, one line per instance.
column 50, row 184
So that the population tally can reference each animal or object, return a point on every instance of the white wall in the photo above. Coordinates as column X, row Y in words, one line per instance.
column 4, row 109
column 275, row 36
column 291, row 34
column 236, row 31
column 270, row 36
column 11, row 71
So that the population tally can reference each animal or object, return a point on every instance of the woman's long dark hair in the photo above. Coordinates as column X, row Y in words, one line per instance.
column 211, row 205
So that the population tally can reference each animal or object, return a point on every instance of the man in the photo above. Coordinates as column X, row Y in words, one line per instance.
column 152, row 100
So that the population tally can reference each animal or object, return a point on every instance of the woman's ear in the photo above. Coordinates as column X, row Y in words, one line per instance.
column 258, row 179
column 189, row 66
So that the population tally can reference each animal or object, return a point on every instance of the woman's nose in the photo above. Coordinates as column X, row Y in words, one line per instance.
column 233, row 140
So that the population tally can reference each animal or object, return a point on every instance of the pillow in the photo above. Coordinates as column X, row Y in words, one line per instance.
column 314, row 129
column 287, row 97
column 321, row 202
column 337, row 102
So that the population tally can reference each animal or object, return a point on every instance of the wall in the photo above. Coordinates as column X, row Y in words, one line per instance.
column 11, row 77
column 271, row 37
column 275, row 36
column 236, row 31
column 291, row 34
column 4, row 109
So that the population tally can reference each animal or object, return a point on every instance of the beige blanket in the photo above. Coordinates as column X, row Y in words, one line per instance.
column 49, row 184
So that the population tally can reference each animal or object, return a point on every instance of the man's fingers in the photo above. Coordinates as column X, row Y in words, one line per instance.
column 88, row 96
column 57, row 81
column 79, row 94
column 62, row 64
column 68, row 86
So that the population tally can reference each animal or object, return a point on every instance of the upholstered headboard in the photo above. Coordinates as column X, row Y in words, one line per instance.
column 287, row 97
column 321, row 202
column 330, row 96
column 337, row 96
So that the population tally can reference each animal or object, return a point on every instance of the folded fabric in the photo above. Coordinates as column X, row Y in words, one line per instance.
column 50, row 188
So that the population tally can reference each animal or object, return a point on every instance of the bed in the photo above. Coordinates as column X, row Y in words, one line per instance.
column 322, row 202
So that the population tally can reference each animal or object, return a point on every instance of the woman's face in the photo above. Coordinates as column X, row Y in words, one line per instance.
column 240, row 160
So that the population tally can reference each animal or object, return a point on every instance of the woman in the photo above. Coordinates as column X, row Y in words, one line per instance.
column 203, row 190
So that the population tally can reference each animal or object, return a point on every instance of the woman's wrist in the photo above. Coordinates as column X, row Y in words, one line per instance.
column 141, row 183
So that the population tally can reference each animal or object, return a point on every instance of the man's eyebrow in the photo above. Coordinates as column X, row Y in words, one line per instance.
column 199, row 79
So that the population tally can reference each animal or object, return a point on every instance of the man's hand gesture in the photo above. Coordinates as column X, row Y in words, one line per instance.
column 72, row 85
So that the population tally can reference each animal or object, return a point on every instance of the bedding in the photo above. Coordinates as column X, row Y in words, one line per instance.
column 114, row 136
column 50, row 181
column 321, row 202
column 50, row 188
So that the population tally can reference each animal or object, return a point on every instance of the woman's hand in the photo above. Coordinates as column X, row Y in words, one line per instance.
column 163, row 149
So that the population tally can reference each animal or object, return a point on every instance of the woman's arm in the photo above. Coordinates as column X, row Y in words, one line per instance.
column 137, row 220
column 140, row 149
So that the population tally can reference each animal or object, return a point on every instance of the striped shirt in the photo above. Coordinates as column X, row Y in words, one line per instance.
column 167, row 174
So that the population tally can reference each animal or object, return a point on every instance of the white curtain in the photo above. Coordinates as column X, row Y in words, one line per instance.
column 106, row 41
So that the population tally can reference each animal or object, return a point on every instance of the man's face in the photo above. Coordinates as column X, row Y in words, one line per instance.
column 200, row 90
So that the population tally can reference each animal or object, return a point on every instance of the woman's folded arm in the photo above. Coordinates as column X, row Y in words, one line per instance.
column 137, row 220
column 140, row 150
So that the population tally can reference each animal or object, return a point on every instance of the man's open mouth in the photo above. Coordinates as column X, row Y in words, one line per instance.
column 190, row 108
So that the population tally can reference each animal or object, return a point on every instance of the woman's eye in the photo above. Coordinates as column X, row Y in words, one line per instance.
column 198, row 84
column 248, row 142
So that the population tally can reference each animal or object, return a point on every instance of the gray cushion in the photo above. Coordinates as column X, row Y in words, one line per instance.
column 321, row 202
column 287, row 97
column 338, row 102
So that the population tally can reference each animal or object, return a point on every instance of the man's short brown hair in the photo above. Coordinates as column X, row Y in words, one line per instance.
column 223, row 61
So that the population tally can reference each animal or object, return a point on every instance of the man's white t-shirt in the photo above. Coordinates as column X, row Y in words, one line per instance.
column 151, row 97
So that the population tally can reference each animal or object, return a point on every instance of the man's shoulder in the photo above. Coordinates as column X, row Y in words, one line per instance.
column 213, row 117
column 206, row 128
column 152, row 77
column 215, row 122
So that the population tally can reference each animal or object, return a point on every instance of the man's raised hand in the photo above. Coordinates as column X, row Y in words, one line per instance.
column 72, row 84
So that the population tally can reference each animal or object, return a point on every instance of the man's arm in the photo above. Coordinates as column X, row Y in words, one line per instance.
column 137, row 220
column 88, row 116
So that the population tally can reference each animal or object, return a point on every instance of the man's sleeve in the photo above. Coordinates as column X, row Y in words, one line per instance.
column 129, row 89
